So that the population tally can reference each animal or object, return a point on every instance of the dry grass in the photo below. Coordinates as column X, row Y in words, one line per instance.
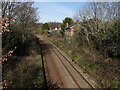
column 25, row 72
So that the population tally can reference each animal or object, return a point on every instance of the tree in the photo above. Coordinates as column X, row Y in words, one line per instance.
column 96, row 20
column 23, row 21
column 26, row 17
column 65, row 21
column 68, row 20
column 62, row 26
column 8, row 11
column 45, row 26
column 16, row 17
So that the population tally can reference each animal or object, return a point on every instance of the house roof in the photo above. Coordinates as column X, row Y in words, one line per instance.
column 68, row 28
column 71, row 26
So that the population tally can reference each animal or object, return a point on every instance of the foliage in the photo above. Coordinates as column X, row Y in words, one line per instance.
column 17, row 39
column 68, row 20
column 26, row 16
column 45, row 26
column 20, row 25
column 65, row 21
column 99, row 35
column 24, row 73
column 62, row 33
column 27, row 69
column 23, row 65
column 62, row 26
column 112, row 40
column 99, row 30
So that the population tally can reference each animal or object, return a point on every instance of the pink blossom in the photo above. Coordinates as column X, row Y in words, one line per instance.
column 6, row 18
column 6, row 24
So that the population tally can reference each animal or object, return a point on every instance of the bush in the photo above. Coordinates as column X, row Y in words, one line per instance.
column 11, row 39
column 23, row 72
column 21, row 40
column 112, row 40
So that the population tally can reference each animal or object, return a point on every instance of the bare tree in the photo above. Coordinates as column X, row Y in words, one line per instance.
column 9, row 11
column 26, row 15
column 22, row 12
column 95, row 19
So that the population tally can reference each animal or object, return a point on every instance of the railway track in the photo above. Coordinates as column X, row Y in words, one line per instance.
column 71, row 73
column 76, row 76
column 66, row 68
column 68, row 71
column 48, row 77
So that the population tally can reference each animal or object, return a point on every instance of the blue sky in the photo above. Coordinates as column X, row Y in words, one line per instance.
column 56, row 11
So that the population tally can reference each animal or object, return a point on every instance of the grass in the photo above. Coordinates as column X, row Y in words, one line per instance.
column 39, row 81
column 26, row 74
column 86, row 66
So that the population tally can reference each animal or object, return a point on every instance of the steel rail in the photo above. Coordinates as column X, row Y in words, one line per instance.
column 74, row 67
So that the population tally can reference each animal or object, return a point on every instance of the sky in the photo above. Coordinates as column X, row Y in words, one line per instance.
column 56, row 11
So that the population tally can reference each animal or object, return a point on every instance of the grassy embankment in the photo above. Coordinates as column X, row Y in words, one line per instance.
column 24, row 71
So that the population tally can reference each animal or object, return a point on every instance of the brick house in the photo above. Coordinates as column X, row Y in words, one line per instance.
column 69, row 30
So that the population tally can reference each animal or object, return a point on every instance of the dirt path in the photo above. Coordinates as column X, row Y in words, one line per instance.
column 61, row 72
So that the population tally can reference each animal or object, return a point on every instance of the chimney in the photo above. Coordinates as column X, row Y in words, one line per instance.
column 67, row 25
